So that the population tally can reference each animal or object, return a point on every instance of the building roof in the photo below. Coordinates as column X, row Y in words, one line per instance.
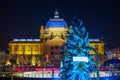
column 56, row 22
column 25, row 40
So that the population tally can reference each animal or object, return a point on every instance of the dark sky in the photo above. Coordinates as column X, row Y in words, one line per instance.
column 23, row 18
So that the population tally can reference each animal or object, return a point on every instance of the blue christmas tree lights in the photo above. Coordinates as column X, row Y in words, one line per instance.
column 76, row 62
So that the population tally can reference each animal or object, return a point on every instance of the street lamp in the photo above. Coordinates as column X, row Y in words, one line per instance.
column 52, row 71
column 97, row 64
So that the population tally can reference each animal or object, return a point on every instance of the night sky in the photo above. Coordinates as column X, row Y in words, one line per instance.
column 23, row 18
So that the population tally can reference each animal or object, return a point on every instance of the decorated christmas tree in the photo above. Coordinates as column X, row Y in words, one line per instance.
column 76, row 62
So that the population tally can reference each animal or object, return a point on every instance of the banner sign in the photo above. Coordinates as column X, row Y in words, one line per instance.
column 82, row 59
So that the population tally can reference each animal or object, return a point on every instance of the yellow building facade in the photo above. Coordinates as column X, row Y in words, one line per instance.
column 50, row 45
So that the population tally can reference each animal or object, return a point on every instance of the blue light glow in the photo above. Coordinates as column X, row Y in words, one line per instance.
column 22, row 39
column 94, row 39
column 36, row 39
column 107, row 78
column 15, row 39
column 56, row 23
column 76, row 62
column 27, row 40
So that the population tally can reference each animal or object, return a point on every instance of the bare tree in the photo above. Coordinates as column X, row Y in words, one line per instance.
column 38, row 59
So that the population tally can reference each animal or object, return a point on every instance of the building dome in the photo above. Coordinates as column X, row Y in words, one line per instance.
column 56, row 22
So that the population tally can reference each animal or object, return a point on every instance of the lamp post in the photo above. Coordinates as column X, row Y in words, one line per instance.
column 52, row 71
column 97, row 65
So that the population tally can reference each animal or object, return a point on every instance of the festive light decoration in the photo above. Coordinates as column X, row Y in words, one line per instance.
column 77, row 46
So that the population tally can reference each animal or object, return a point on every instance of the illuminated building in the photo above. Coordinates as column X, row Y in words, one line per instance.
column 50, row 45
